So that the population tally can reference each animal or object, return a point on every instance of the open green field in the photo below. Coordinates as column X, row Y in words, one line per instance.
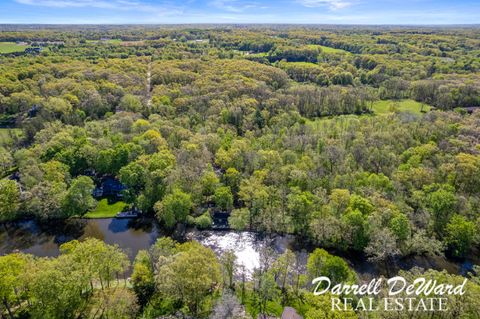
column 109, row 41
column 7, row 135
column 379, row 108
column 10, row 47
column 113, row 41
column 257, row 55
column 301, row 64
column 328, row 49
column 332, row 50
column 389, row 106
column 106, row 210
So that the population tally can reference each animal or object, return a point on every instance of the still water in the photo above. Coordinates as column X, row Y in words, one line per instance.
column 44, row 240
column 132, row 235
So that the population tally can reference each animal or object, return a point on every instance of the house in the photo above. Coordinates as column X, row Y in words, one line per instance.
column 33, row 111
column 33, row 50
column 290, row 313
column 109, row 186
column 97, row 192
column 112, row 187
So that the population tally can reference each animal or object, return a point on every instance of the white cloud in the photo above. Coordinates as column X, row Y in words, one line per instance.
column 233, row 5
column 72, row 3
column 332, row 4
column 124, row 5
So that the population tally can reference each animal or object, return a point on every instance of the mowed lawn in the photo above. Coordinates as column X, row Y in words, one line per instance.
column 106, row 210
column 389, row 106
column 8, row 134
column 328, row 49
column 10, row 47
column 332, row 50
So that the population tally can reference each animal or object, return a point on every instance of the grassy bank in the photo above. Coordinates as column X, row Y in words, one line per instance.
column 106, row 210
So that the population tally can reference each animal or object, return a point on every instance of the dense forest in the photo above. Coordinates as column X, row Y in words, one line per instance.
column 355, row 140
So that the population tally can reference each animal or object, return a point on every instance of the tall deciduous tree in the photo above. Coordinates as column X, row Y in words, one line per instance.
column 11, row 268
column 143, row 277
column 321, row 263
column 224, row 197
column 79, row 199
column 189, row 275
column 460, row 235
column 174, row 208
column 9, row 199
column 301, row 206
column 98, row 261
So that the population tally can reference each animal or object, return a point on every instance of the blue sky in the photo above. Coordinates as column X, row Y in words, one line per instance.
column 241, row 11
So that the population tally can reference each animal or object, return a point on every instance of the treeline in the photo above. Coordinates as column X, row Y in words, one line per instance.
column 345, row 183
column 75, row 92
column 447, row 94
column 173, row 280
column 208, row 134
column 273, row 127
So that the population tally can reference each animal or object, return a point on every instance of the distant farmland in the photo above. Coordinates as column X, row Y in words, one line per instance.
column 11, row 47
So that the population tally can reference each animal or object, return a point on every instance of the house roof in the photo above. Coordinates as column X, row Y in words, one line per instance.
column 290, row 313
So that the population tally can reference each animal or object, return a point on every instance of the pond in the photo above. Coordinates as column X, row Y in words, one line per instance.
column 132, row 235
column 44, row 239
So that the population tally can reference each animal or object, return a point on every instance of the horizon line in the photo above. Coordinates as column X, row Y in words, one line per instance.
column 241, row 23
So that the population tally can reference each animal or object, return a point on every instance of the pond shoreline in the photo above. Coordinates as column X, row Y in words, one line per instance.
column 44, row 239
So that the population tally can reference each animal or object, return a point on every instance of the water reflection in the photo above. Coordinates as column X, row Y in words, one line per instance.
column 247, row 246
column 44, row 239
column 132, row 235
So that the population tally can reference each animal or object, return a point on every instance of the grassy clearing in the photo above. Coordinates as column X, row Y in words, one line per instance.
column 10, row 47
column 132, row 43
column 332, row 50
column 389, row 106
column 301, row 64
column 256, row 55
column 112, row 41
column 106, row 210
column 329, row 49
column 8, row 135
column 109, row 41
column 379, row 108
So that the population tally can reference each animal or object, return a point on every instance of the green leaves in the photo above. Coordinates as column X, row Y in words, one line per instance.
column 9, row 199
column 400, row 225
column 174, row 208
column 460, row 235
column 224, row 198
column 12, row 267
column 321, row 263
column 78, row 199
column 68, row 285
column 189, row 275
